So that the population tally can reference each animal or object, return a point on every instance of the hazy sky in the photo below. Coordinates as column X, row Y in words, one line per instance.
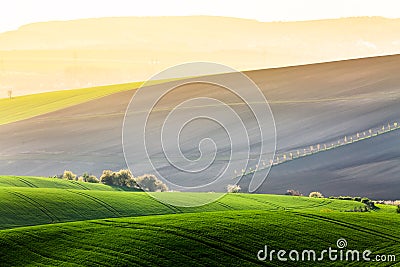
column 14, row 13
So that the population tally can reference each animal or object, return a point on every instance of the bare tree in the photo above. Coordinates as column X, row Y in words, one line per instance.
column 9, row 93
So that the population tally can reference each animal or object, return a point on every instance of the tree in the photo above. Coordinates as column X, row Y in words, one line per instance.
column 92, row 179
column 68, row 175
column 107, row 177
column 151, row 183
column 88, row 178
column 316, row 195
column 365, row 200
column 398, row 209
column 292, row 192
column 9, row 93
column 124, row 178
column 233, row 188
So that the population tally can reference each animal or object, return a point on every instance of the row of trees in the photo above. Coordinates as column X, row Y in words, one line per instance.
column 122, row 178
column 69, row 175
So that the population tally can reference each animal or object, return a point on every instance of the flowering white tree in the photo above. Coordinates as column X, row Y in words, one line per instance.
column 233, row 188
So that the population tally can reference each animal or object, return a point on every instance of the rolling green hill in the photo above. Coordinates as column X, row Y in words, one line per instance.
column 32, row 201
column 53, row 222
column 30, row 206
column 230, row 238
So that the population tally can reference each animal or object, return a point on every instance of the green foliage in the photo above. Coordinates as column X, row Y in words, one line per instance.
column 68, row 175
column 398, row 209
column 107, row 177
column 345, row 198
column 123, row 178
column 233, row 188
column 365, row 200
column 151, row 183
column 92, row 179
column 88, row 178
column 292, row 192
column 316, row 195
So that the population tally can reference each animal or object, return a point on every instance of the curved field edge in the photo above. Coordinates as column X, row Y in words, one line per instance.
column 28, row 106
column 229, row 238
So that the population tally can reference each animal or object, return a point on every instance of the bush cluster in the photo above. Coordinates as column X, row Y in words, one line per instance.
column 359, row 209
column 316, row 195
column 151, row 183
column 69, row 175
column 233, row 188
column 292, row 192
column 369, row 204
column 122, row 178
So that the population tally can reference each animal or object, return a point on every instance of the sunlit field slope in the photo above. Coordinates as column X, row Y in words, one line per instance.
column 28, row 106
column 41, row 182
column 229, row 238
column 32, row 201
column 47, row 221
column 24, row 107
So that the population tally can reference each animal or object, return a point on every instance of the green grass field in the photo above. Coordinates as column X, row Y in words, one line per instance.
column 47, row 221
column 24, row 107
column 28, row 106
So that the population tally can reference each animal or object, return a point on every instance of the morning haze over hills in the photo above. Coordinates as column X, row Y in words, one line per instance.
column 49, row 56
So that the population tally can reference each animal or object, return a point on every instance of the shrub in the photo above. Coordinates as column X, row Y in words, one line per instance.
column 398, row 209
column 92, row 179
column 84, row 177
column 124, row 178
column 121, row 178
column 151, row 183
column 107, row 177
column 371, row 205
column 316, row 195
column 68, row 175
column 345, row 198
column 357, row 199
column 365, row 200
column 233, row 188
column 88, row 178
column 292, row 192
column 359, row 209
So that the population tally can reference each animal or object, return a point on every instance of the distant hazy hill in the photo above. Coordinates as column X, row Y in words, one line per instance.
column 63, row 54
